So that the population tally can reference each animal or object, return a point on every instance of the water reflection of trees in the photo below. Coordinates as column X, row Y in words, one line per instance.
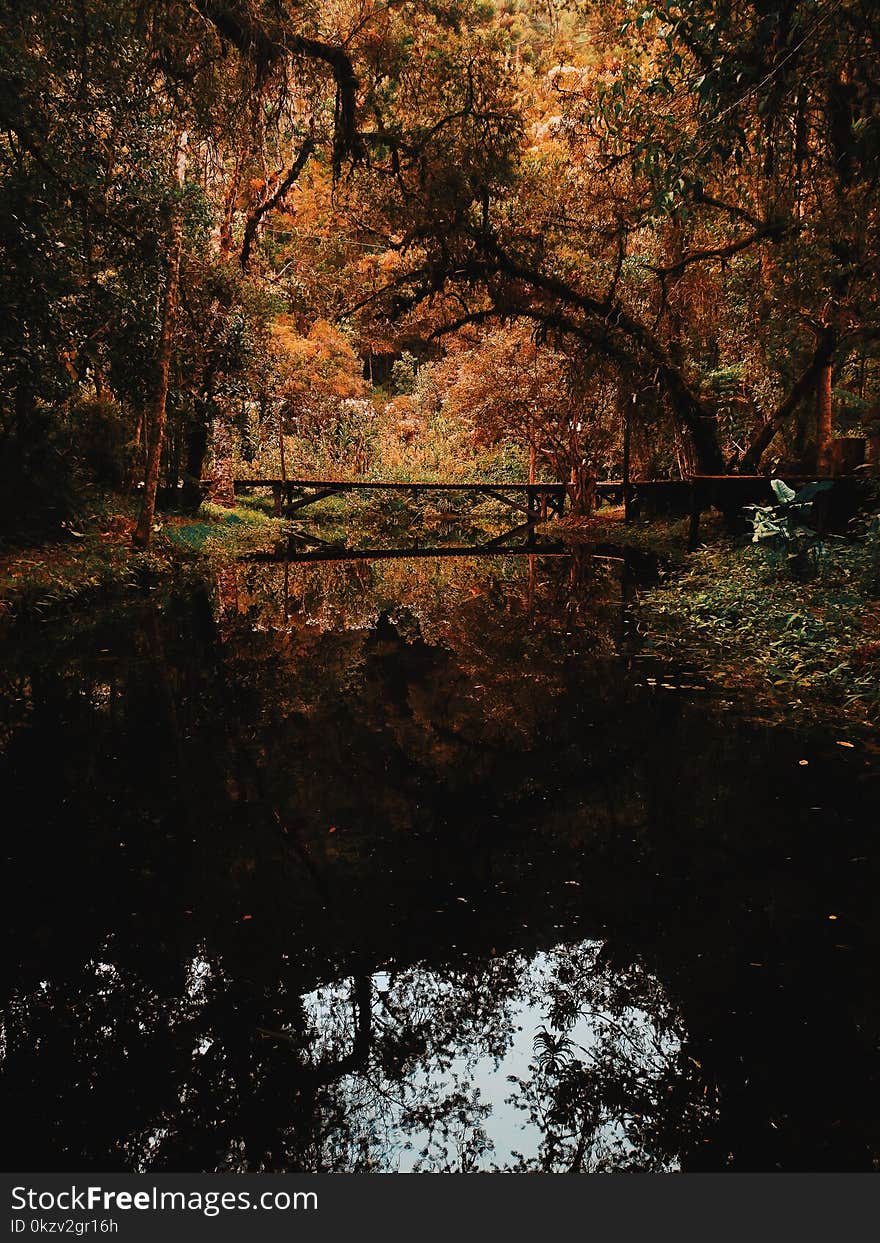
column 366, row 811
column 610, row 1086
column 447, row 599
column 158, row 998
column 382, row 1072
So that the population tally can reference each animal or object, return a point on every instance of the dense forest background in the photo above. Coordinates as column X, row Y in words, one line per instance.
column 431, row 239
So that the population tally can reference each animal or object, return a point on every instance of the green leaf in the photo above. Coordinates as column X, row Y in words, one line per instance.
column 782, row 491
column 812, row 489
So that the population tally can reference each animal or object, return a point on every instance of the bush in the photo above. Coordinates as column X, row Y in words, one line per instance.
column 52, row 460
column 41, row 486
column 403, row 373
column 785, row 528
column 102, row 437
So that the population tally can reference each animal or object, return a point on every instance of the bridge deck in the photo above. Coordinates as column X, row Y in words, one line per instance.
column 536, row 500
column 539, row 501
column 401, row 485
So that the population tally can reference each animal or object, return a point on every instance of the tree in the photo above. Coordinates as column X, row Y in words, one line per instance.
column 697, row 148
column 158, row 413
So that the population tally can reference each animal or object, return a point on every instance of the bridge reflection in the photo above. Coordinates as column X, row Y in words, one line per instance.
column 545, row 584
column 301, row 546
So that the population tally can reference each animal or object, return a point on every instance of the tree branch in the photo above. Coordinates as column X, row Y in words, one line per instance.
column 271, row 200
column 268, row 45
column 802, row 387
column 772, row 231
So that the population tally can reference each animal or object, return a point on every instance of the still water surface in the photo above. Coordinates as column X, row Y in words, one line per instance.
column 413, row 865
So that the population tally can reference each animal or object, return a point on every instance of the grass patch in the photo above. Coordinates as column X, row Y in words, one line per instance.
column 249, row 526
column 807, row 647
column 97, row 562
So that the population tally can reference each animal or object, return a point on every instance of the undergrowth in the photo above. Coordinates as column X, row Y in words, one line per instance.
column 809, row 646
column 97, row 561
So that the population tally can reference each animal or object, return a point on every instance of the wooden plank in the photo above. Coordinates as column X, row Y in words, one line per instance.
column 501, row 540
column 347, row 485
column 506, row 499
column 304, row 537
column 310, row 500
column 755, row 478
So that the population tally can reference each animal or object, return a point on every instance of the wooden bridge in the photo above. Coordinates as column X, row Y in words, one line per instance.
column 538, row 501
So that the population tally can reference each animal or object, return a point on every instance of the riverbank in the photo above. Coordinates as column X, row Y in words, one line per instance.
column 732, row 611
column 788, row 649
column 98, row 563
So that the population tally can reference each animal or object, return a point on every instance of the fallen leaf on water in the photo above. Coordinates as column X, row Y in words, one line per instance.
column 851, row 745
column 332, row 828
column 803, row 763
column 244, row 917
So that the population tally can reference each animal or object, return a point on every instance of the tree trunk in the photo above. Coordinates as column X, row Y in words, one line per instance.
column 158, row 414
column 196, row 452
column 823, row 357
column 281, row 442
column 627, row 432
column 824, row 431
column 582, row 490
column 698, row 419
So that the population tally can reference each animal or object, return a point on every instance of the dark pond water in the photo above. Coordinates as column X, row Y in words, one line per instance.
column 408, row 864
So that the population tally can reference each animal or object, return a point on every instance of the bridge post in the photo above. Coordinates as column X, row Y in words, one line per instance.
column 221, row 489
column 696, row 506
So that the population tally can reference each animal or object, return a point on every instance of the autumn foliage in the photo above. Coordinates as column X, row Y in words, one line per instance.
column 568, row 217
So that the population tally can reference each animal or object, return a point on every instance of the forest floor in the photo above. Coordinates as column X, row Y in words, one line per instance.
column 789, row 649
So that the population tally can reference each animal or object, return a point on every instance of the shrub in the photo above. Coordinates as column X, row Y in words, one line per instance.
column 102, row 437
column 41, row 486
column 784, row 528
